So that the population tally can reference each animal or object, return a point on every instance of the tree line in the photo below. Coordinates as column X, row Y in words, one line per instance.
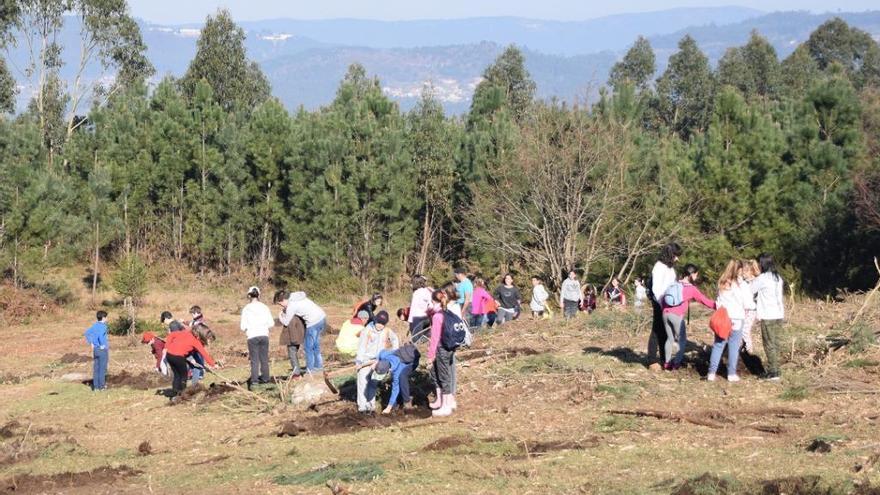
column 758, row 154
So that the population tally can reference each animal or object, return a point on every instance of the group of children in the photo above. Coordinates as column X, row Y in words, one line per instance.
column 749, row 291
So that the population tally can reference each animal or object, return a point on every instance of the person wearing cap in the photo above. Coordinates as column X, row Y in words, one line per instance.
column 256, row 320
column 350, row 333
column 387, row 363
column 375, row 337
column 315, row 319
column 157, row 346
column 292, row 333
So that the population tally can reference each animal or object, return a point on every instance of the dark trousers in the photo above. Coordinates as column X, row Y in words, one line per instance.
column 292, row 351
column 658, row 333
column 418, row 330
column 443, row 370
column 258, row 353
column 180, row 369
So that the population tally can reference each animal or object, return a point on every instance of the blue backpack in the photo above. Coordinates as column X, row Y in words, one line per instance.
column 455, row 331
column 674, row 295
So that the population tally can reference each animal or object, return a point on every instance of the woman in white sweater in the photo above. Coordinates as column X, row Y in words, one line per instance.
column 733, row 295
column 256, row 320
column 771, row 311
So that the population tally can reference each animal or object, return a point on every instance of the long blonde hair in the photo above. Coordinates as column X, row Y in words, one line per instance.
column 751, row 266
column 730, row 275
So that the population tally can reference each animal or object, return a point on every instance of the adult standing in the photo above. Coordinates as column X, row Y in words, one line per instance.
column 570, row 296
column 768, row 288
column 418, row 307
column 256, row 320
column 662, row 276
column 315, row 319
column 509, row 300
column 293, row 333
column 465, row 290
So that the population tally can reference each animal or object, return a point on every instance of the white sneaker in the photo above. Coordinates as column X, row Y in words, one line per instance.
column 444, row 410
column 452, row 403
column 733, row 378
column 710, row 377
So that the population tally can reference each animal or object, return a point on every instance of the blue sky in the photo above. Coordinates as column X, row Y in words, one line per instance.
column 181, row 11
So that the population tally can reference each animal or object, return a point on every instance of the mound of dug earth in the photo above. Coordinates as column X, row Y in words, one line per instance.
column 141, row 381
column 100, row 480
column 348, row 420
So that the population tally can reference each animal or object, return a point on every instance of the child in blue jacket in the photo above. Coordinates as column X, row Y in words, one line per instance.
column 96, row 336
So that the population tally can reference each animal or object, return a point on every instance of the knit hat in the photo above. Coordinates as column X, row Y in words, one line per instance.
column 381, row 318
column 382, row 368
column 147, row 337
column 363, row 315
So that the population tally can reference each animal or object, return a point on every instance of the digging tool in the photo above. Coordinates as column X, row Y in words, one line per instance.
column 340, row 372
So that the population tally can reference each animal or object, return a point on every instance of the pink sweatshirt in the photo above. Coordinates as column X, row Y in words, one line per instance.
column 689, row 293
column 481, row 297
column 436, row 332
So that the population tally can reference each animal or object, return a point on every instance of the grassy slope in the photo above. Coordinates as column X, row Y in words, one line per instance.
column 507, row 404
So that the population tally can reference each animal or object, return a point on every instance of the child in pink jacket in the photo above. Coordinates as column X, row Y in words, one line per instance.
column 674, row 317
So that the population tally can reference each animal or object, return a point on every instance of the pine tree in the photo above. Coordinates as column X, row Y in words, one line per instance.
column 753, row 69
column 685, row 91
column 836, row 43
column 637, row 67
column 222, row 61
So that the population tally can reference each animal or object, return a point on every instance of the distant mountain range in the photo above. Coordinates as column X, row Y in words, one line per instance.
column 305, row 60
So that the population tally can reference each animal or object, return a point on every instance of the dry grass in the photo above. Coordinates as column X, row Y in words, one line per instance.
column 536, row 423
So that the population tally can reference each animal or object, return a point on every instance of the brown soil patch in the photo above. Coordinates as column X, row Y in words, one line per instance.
column 500, row 353
column 141, row 381
column 205, row 394
column 347, row 421
column 541, row 447
column 446, row 443
column 705, row 483
column 103, row 476
column 71, row 358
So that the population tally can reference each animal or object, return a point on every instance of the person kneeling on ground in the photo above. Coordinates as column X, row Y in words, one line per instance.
column 157, row 346
column 293, row 332
column 178, row 346
column 374, row 338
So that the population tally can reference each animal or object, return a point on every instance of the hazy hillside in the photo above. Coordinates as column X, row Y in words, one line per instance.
column 304, row 60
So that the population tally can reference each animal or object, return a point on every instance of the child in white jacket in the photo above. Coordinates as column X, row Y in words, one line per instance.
column 539, row 298
column 732, row 296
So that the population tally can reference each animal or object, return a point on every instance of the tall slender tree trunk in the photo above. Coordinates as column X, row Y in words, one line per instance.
column 426, row 240
column 127, row 226
column 97, row 258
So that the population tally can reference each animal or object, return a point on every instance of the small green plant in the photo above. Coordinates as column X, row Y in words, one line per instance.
column 861, row 337
column 862, row 363
column 795, row 393
column 346, row 472
column 611, row 424
column 542, row 363
column 623, row 391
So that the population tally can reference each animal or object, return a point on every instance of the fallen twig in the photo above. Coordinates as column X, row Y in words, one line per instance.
column 669, row 416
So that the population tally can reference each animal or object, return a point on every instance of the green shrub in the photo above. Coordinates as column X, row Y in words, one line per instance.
column 862, row 363
column 120, row 326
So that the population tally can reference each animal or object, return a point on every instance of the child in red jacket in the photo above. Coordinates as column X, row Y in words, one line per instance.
column 178, row 346
column 157, row 346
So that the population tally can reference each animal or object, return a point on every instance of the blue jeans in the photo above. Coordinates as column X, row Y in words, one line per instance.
column 312, row 346
column 733, row 342
column 477, row 321
column 99, row 368
column 197, row 373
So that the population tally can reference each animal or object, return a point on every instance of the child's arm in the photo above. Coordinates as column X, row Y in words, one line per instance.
column 395, row 389
column 705, row 301
column 436, row 330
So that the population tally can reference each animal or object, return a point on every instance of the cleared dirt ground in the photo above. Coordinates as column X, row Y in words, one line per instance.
column 544, row 407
